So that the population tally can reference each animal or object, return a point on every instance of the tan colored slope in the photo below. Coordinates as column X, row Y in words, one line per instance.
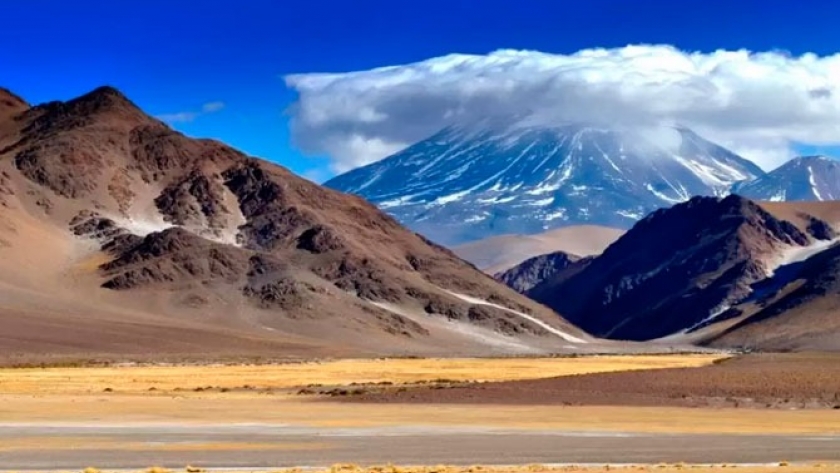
column 10, row 104
column 52, row 310
column 797, row 212
column 123, row 237
column 496, row 254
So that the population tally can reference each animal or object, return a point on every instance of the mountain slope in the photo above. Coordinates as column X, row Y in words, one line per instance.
column 802, row 178
column 112, row 219
column 801, row 313
column 511, row 176
column 496, row 254
column 680, row 268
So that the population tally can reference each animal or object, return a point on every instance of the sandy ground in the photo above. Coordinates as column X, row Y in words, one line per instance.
column 500, row 253
column 231, row 408
column 533, row 468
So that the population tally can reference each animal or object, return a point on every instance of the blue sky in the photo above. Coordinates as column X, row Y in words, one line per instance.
column 176, row 56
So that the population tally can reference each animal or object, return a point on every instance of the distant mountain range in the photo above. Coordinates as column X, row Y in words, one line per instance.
column 497, row 177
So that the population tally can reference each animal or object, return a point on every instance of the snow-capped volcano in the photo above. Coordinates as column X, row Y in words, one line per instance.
column 496, row 177
column 802, row 178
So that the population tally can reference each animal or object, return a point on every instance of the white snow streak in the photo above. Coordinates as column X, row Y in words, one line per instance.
column 464, row 329
column 630, row 215
column 797, row 254
column 450, row 198
column 565, row 336
column 142, row 227
column 814, row 187
column 661, row 195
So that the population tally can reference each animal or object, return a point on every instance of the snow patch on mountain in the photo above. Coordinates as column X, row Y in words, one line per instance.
column 465, row 330
column 142, row 226
column 565, row 336
column 798, row 254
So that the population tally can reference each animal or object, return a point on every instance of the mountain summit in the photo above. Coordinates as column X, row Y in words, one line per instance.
column 470, row 182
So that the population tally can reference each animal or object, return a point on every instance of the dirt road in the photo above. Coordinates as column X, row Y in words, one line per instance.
column 77, row 445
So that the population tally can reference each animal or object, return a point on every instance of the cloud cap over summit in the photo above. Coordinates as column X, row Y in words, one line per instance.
column 756, row 103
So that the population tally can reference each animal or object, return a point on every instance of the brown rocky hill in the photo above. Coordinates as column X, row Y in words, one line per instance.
column 682, row 268
column 122, row 236
column 799, row 311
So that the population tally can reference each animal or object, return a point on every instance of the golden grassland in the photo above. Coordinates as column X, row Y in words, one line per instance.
column 660, row 468
column 157, row 379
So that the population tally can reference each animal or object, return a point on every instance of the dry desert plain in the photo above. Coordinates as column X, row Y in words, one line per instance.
column 411, row 412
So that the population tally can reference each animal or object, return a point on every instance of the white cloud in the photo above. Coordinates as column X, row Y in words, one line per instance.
column 756, row 103
column 179, row 117
column 211, row 107
column 188, row 116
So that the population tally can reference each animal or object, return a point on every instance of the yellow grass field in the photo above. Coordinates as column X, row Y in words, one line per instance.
column 150, row 379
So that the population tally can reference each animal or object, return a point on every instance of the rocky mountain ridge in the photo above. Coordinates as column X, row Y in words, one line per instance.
column 681, row 268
